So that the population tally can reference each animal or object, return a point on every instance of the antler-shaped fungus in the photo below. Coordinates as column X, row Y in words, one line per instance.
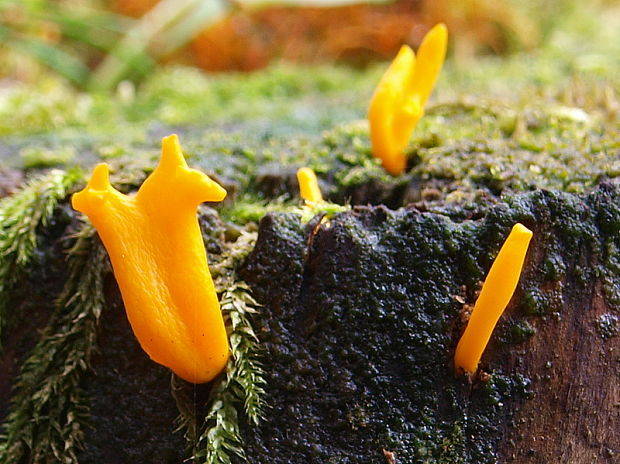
column 160, row 263
column 399, row 99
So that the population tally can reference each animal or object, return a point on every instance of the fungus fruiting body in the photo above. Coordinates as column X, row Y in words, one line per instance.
column 309, row 185
column 495, row 295
column 399, row 99
column 160, row 263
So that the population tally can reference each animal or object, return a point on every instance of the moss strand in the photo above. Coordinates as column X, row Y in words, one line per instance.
column 240, row 388
column 48, row 410
column 20, row 216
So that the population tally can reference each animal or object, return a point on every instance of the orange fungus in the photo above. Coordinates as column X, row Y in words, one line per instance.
column 309, row 185
column 160, row 264
column 495, row 295
column 399, row 99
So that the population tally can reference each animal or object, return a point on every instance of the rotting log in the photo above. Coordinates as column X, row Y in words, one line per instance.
column 363, row 311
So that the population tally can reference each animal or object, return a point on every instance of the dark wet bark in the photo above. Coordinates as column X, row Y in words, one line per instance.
column 360, row 319
column 362, row 315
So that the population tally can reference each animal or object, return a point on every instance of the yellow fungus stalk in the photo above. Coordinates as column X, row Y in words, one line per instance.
column 495, row 295
column 160, row 263
column 309, row 185
column 399, row 99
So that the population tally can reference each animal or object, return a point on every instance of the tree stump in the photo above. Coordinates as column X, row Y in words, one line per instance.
column 363, row 311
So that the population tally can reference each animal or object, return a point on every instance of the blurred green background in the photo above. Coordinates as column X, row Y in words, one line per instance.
column 90, row 80
column 96, row 44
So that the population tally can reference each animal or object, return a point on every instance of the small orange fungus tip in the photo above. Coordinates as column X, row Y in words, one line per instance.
column 159, row 260
column 309, row 185
column 495, row 295
column 399, row 99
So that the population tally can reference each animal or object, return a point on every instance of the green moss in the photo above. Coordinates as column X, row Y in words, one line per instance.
column 38, row 157
column 534, row 302
column 518, row 331
column 500, row 387
column 49, row 411
column 22, row 216
column 554, row 267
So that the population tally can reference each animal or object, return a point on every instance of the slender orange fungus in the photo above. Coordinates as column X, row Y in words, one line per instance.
column 309, row 185
column 495, row 295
